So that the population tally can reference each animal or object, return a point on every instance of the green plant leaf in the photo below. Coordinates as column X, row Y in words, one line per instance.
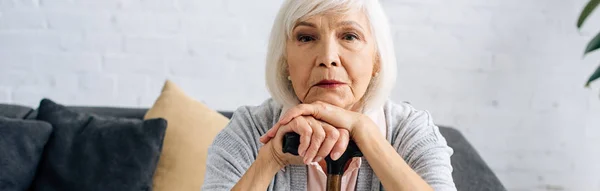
column 589, row 8
column 594, row 76
column 593, row 44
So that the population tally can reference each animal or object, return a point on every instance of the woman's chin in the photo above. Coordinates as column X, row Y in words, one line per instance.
column 335, row 100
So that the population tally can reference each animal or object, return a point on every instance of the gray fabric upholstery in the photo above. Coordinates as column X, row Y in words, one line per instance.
column 97, row 153
column 14, row 111
column 135, row 113
column 21, row 146
column 22, row 112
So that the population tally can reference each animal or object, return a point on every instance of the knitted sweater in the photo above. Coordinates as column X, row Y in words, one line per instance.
column 411, row 132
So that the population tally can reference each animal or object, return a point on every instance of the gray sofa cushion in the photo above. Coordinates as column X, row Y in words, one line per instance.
column 21, row 146
column 470, row 172
column 92, row 152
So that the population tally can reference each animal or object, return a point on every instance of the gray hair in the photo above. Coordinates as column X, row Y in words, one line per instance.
column 292, row 11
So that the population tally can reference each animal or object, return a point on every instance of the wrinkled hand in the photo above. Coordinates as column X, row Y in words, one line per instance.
column 320, row 125
column 317, row 140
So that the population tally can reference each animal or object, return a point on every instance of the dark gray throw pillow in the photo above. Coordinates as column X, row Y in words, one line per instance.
column 97, row 153
column 21, row 146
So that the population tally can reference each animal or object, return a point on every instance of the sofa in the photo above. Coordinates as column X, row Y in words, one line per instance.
column 470, row 172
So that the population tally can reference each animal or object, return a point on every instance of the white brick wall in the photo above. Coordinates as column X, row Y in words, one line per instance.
column 508, row 73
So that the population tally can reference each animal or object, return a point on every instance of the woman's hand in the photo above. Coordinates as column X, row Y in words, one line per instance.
column 345, row 121
column 317, row 140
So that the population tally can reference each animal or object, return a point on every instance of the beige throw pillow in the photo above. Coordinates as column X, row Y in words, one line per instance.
column 191, row 128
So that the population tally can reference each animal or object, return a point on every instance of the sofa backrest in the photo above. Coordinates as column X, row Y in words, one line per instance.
column 24, row 112
column 15, row 111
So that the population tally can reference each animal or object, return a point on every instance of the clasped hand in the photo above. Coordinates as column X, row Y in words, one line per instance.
column 324, row 130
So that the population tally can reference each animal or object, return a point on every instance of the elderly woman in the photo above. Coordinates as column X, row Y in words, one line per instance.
column 330, row 69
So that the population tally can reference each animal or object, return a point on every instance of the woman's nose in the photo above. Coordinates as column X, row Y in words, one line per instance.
column 328, row 65
column 329, row 56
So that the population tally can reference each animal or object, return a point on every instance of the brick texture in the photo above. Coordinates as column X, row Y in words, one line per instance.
column 508, row 73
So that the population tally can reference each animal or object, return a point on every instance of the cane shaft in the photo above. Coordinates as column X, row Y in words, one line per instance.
column 334, row 182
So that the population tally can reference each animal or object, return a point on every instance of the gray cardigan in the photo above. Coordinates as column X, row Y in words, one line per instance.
column 411, row 132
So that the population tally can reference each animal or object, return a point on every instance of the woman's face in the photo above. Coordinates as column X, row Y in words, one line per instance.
column 331, row 58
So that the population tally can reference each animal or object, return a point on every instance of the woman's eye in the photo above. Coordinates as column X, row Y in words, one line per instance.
column 305, row 38
column 350, row 37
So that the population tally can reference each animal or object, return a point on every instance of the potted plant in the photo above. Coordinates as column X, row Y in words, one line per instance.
column 594, row 44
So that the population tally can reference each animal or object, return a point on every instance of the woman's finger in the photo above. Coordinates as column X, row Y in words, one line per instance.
column 298, row 110
column 333, row 115
column 318, row 136
column 265, row 139
column 300, row 126
column 341, row 144
column 331, row 138
column 273, row 131
column 270, row 133
column 320, row 110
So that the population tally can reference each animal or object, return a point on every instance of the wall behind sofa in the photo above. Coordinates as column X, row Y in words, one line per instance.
column 508, row 73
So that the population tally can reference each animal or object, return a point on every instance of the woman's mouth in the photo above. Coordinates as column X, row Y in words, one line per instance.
column 329, row 84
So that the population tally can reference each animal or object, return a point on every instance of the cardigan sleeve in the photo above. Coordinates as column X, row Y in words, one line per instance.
column 420, row 143
column 232, row 152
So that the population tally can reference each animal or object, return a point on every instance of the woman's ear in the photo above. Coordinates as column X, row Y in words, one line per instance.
column 286, row 70
column 376, row 65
